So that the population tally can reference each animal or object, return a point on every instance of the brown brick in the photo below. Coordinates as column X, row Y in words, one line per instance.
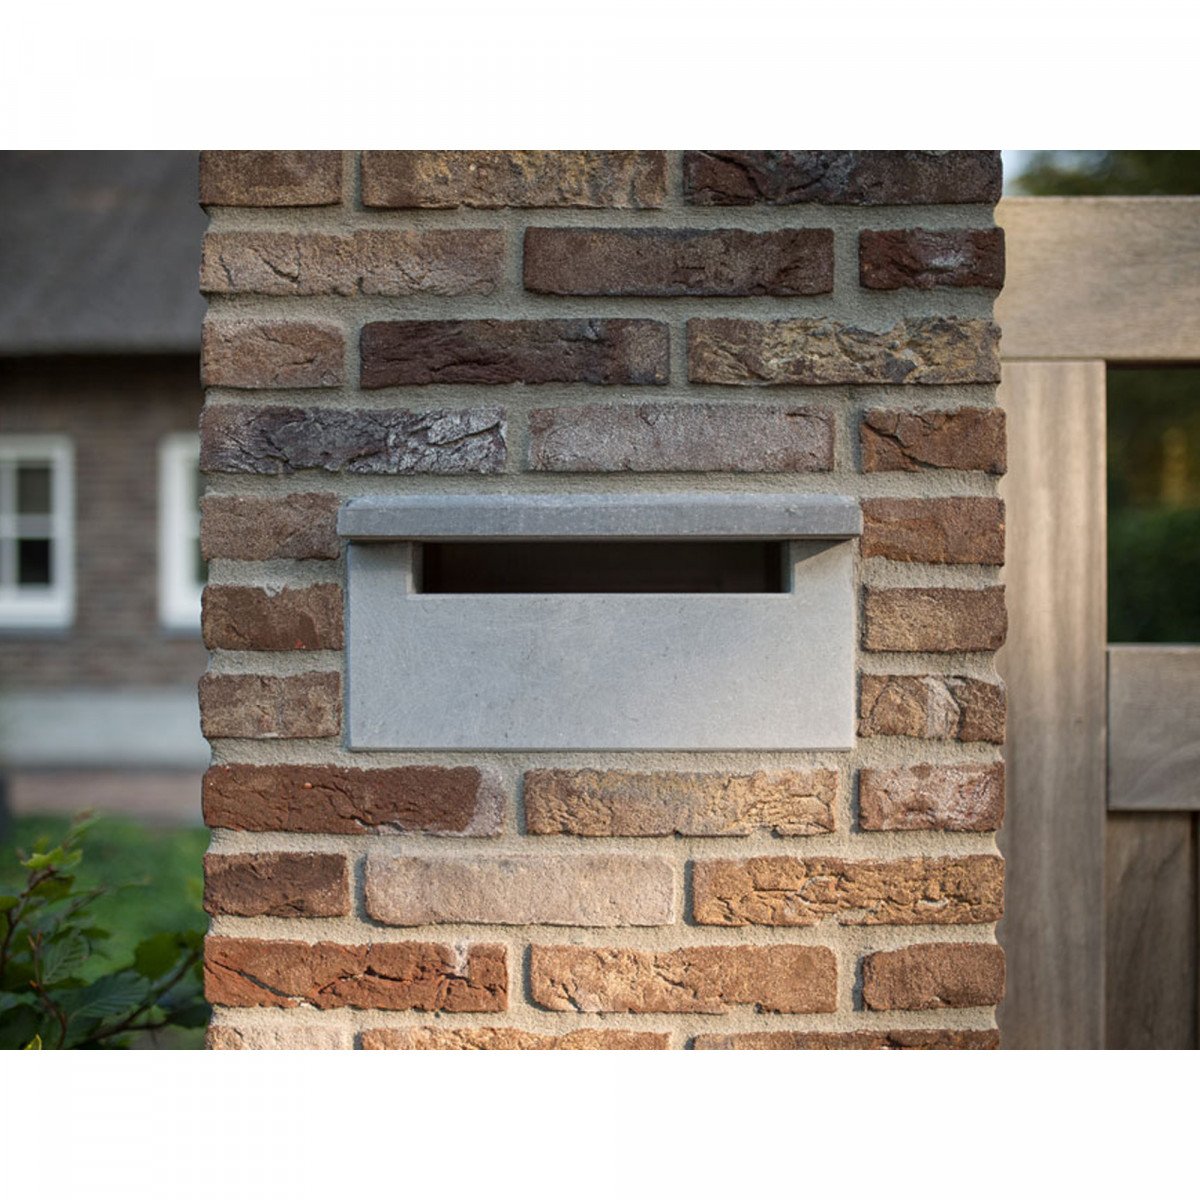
column 958, row 529
column 271, row 354
column 427, row 976
column 257, row 528
column 795, row 891
column 432, row 1038
column 939, row 975
column 271, row 706
column 696, row 979
column 277, row 884
column 892, row 1039
column 325, row 799
column 251, row 618
column 956, row 707
column 964, row 439
column 582, row 350
column 742, row 177
column 684, row 437
column 817, row 350
column 274, row 440
column 527, row 889
column 513, row 178
column 957, row 798
column 679, row 262
column 376, row 262
column 270, row 178
column 937, row 619
column 271, row 1037
column 695, row 804
column 928, row 258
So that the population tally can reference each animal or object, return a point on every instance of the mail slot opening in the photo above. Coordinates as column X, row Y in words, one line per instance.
column 646, row 566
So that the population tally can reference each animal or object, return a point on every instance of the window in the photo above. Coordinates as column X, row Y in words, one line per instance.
column 181, row 570
column 37, row 589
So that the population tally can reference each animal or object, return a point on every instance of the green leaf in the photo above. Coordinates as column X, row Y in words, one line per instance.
column 157, row 955
column 8, row 901
column 110, row 996
column 191, row 1016
column 57, row 887
column 35, row 1044
column 18, row 1025
column 40, row 861
column 64, row 956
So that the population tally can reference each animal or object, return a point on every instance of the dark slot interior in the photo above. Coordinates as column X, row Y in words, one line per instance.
column 601, row 567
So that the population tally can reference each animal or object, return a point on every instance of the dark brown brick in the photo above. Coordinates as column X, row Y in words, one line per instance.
column 257, row 528
column 929, row 258
column 277, row 884
column 942, row 620
column 892, row 1039
column 432, row 1038
column 955, row 707
column 271, row 706
column 964, row 439
column 270, row 178
column 271, row 354
column 959, row 798
column 957, row 529
column 939, row 975
column 251, row 618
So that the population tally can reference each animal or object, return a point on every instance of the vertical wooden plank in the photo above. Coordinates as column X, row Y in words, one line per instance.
column 1054, row 665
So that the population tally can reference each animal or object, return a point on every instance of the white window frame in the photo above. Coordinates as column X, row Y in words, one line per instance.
column 178, row 529
column 37, row 607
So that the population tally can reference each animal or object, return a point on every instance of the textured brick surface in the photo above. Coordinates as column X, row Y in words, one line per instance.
column 526, row 889
column 691, row 437
column 277, row 884
column 288, row 1037
column 953, row 798
column 938, row 619
column 958, row 529
column 250, row 618
column 815, row 350
column 427, row 976
column 513, row 178
column 795, row 891
column 963, row 439
column 586, row 350
column 956, row 707
column 271, row 706
column 270, row 178
column 649, row 804
column 889, row 259
column 892, row 1039
column 841, row 177
column 940, row 975
column 271, row 354
column 698, row 979
column 428, row 1038
column 325, row 799
column 277, row 440
column 256, row 528
column 679, row 262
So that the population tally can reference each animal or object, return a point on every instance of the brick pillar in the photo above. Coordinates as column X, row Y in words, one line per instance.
column 401, row 323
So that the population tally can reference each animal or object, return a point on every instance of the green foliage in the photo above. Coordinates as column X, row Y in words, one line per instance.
column 58, row 989
column 1111, row 173
column 1154, row 578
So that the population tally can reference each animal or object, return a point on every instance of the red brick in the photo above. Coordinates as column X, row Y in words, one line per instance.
column 957, row 707
column 938, row 975
column 958, row 529
column 941, row 620
column 432, row 1038
column 270, row 178
column 258, row 528
column 271, row 706
column 277, row 884
column 271, row 354
column 892, row 1039
column 250, row 618
column 928, row 258
column 964, row 439
column 959, row 798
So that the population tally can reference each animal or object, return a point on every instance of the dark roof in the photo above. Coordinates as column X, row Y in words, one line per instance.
column 99, row 252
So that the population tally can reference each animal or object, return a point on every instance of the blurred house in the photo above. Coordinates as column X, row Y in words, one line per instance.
column 100, row 572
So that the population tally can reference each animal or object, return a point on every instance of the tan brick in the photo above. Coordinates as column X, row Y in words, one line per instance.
column 958, row 529
column 953, row 798
column 431, row 1038
column 795, row 891
column 695, row 804
column 258, row 528
column 696, row 979
column 270, row 1037
column 956, row 707
column 277, row 884
column 271, row 706
column 942, row 620
column 250, row 618
column 892, row 1039
column 889, row 259
column 964, row 439
column 325, row 799
column 246, row 353
column 427, row 976
column 270, row 178
column 939, row 975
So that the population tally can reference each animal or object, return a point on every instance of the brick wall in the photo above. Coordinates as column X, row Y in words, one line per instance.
column 398, row 323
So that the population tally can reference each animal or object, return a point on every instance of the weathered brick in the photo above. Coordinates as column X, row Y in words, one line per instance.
column 277, row 440
column 375, row 262
column 684, row 437
column 817, row 350
column 513, row 178
column 325, row 799
column 271, row 354
column 892, row 1039
column 527, row 889
column 257, row 528
column 742, row 177
column 433, row 1038
column 928, row 258
column 964, row 439
column 956, row 707
column 277, row 884
column 958, row 798
column 958, row 529
column 427, row 976
column 936, row 619
column 270, row 178
column 796, row 891
column 583, row 350
column 270, row 1037
column 251, row 618
column 679, row 262
column 696, row 979
column 695, row 804
column 271, row 706
column 939, row 975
